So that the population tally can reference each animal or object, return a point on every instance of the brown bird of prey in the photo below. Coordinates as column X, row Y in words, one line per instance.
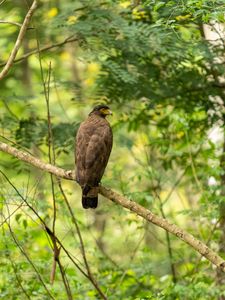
column 93, row 146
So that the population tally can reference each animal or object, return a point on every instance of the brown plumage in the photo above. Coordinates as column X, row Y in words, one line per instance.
column 93, row 146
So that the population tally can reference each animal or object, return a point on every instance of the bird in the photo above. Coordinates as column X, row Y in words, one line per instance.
column 93, row 145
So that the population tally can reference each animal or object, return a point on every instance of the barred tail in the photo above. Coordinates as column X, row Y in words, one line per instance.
column 89, row 201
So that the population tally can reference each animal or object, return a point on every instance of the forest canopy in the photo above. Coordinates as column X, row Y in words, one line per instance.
column 159, row 66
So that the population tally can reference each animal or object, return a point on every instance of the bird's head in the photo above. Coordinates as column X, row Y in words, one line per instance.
column 101, row 110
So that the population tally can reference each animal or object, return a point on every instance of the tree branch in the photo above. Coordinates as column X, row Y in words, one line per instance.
column 60, row 246
column 70, row 39
column 121, row 200
column 19, row 40
column 2, row 2
column 10, row 23
column 37, row 162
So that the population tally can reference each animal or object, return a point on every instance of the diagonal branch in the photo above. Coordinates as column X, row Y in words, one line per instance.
column 69, row 39
column 19, row 40
column 60, row 246
column 10, row 23
column 126, row 203
column 24, row 156
column 163, row 223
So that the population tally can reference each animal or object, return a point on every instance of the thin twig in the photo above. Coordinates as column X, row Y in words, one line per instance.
column 11, row 214
column 189, row 239
column 215, row 227
column 170, row 252
column 163, row 223
column 51, row 159
column 54, row 237
column 116, row 265
column 193, row 168
column 177, row 182
column 65, row 280
column 2, row 2
column 10, row 23
column 51, row 155
column 29, row 260
column 94, row 282
column 131, row 259
column 19, row 40
column 70, row 39
column 18, row 278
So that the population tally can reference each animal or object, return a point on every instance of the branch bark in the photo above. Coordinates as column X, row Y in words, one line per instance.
column 19, row 40
column 36, row 162
column 146, row 214
column 10, row 23
column 70, row 39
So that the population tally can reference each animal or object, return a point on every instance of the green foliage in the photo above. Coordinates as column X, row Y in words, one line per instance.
column 162, row 78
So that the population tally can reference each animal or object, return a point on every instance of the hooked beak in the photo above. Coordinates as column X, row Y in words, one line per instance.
column 109, row 112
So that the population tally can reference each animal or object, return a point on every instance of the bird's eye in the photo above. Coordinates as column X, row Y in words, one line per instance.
column 103, row 111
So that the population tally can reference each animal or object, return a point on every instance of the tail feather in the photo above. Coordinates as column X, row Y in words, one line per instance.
column 89, row 197
column 89, row 202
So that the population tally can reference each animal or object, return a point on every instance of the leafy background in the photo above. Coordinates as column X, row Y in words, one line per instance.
column 155, row 65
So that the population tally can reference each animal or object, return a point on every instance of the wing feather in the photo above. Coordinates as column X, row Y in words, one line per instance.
column 93, row 147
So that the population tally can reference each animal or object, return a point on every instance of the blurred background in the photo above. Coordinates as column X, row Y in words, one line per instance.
column 159, row 65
